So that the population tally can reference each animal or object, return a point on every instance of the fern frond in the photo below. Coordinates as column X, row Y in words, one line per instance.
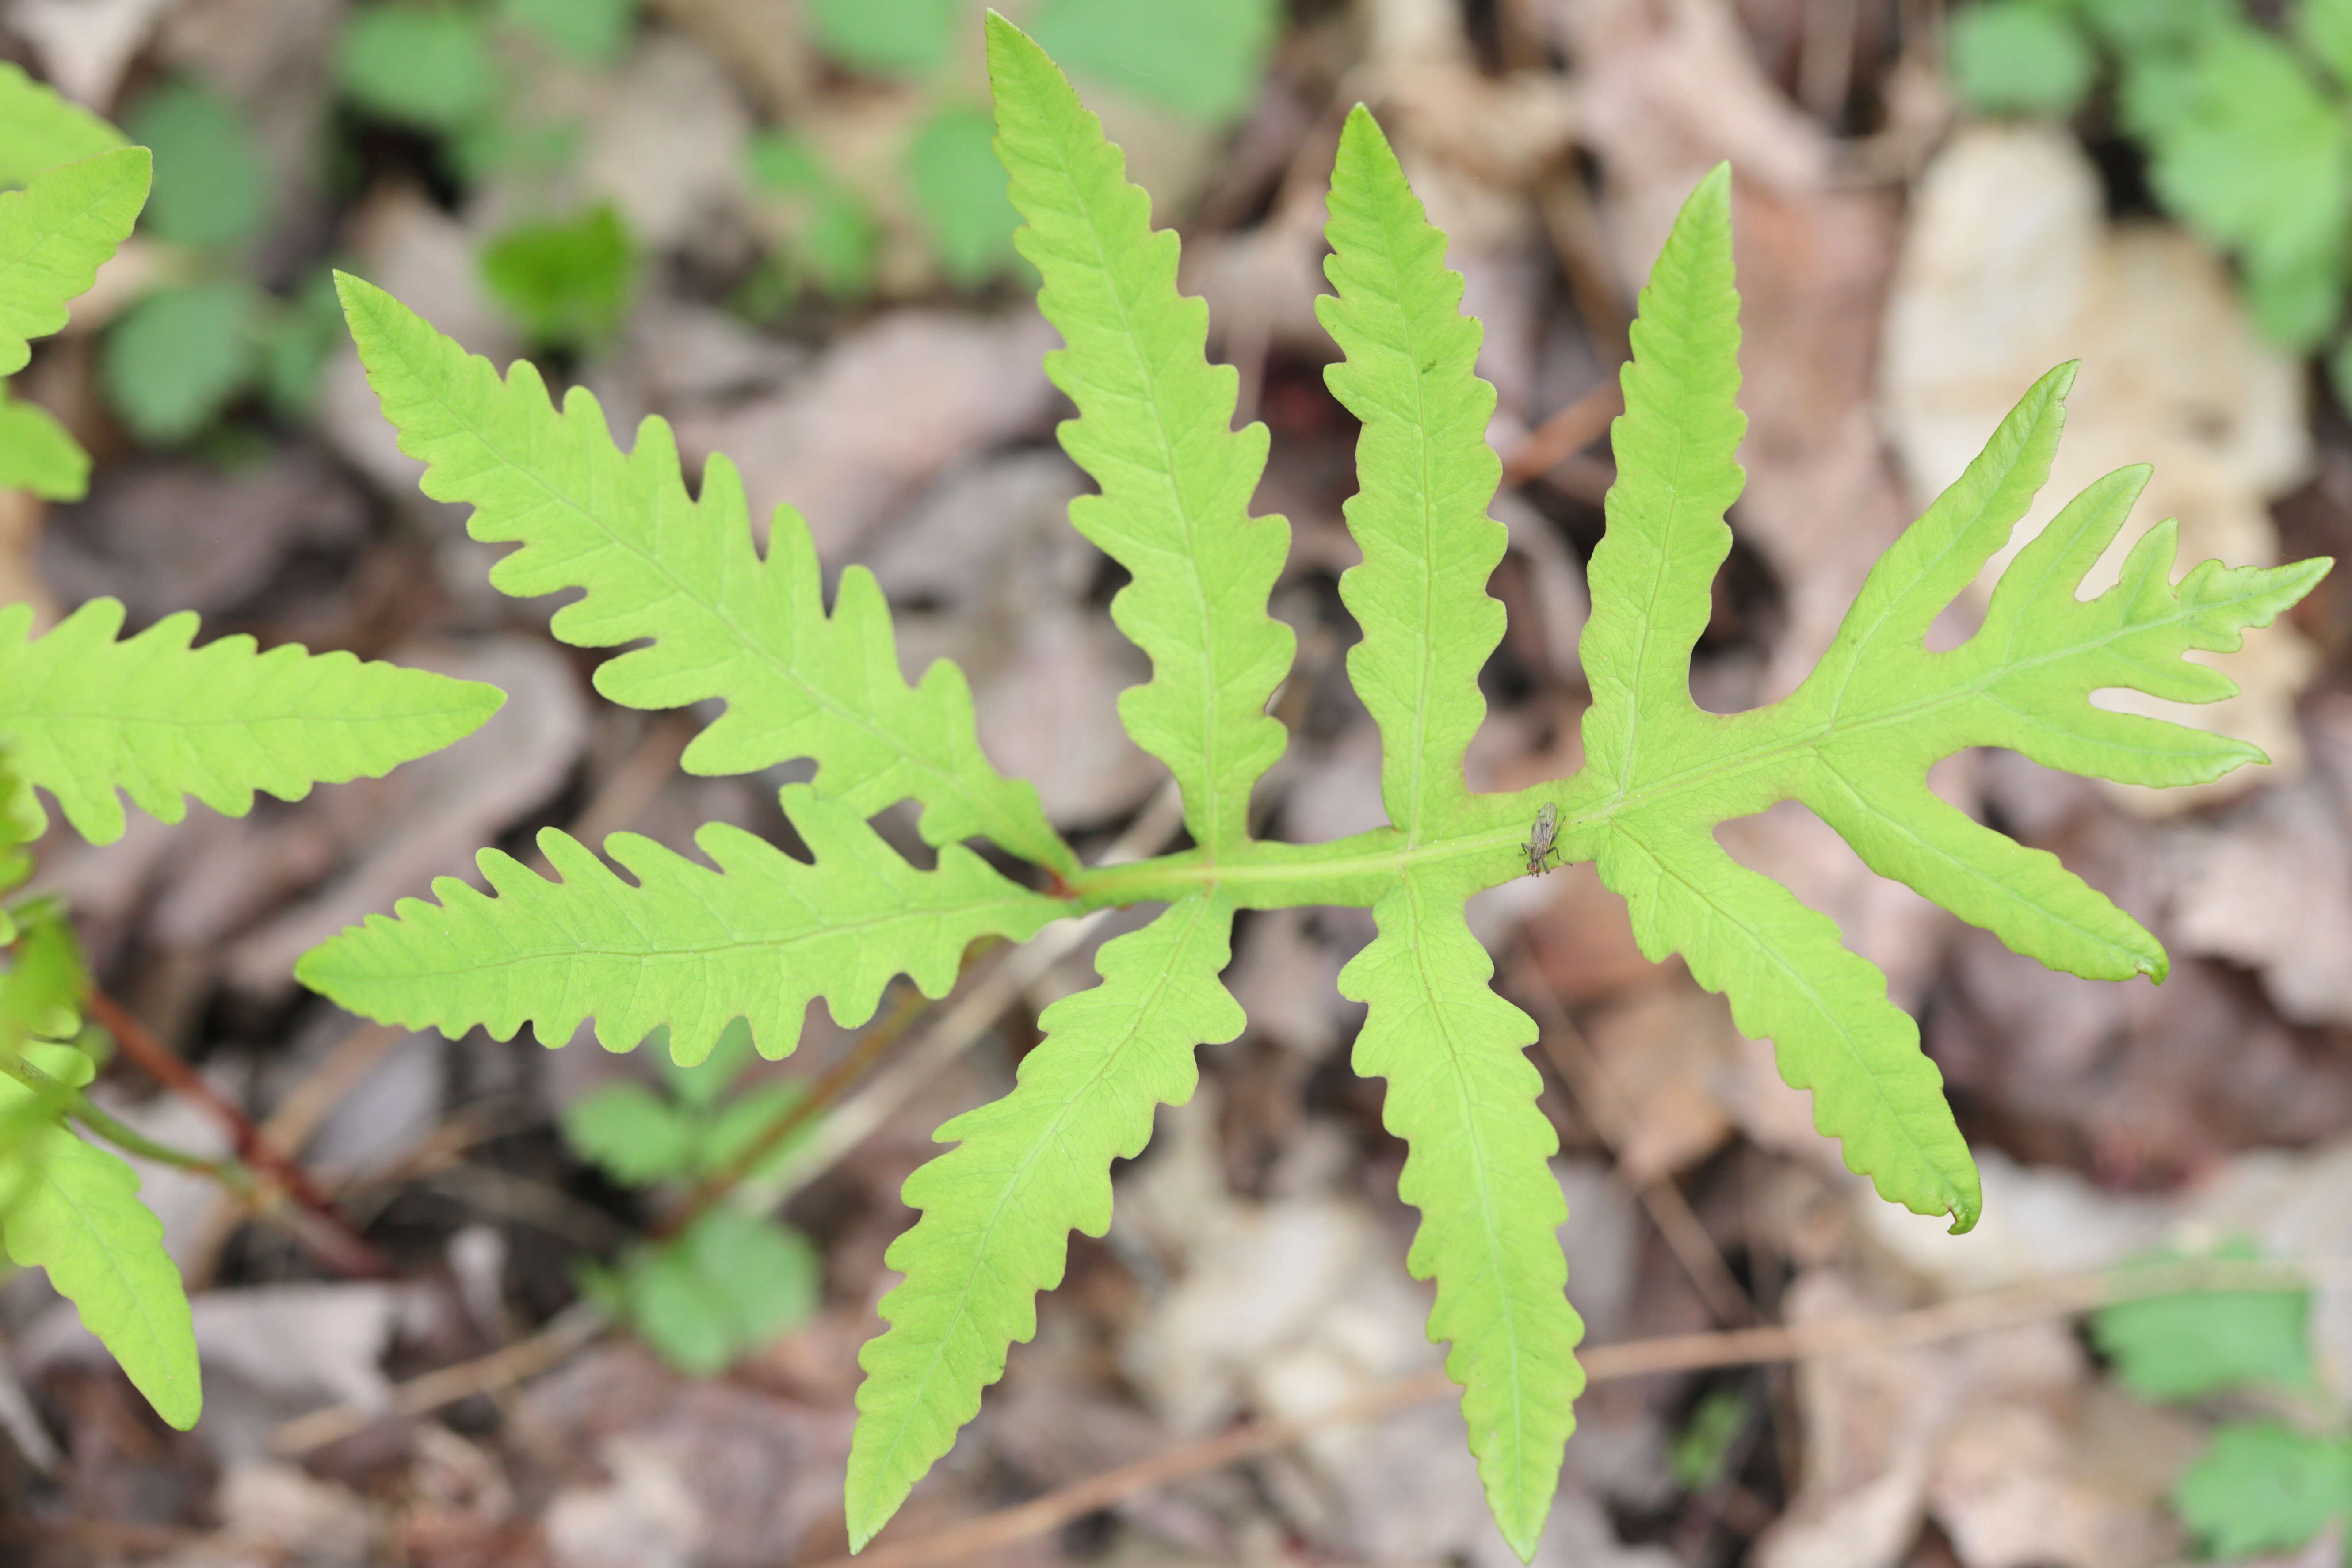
column 54, row 234
column 997, row 1210
column 681, row 572
column 83, row 715
column 40, row 129
column 1155, row 429
column 1462, row 1094
column 685, row 946
column 73, row 1209
column 1424, row 476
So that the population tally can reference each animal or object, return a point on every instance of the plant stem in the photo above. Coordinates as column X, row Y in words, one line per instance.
column 229, row 1173
column 330, row 1234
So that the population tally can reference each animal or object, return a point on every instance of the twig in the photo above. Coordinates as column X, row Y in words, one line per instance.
column 836, row 1080
column 1564, row 434
column 570, row 1330
column 338, row 1245
column 73, row 1102
column 1587, row 1079
column 1603, row 1364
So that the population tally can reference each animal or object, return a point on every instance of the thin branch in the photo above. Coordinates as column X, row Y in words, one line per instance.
column 330, row 1234
column 1603, row 1364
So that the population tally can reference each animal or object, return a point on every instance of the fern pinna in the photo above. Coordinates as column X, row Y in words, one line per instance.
column 90, row 716
column 693, row 948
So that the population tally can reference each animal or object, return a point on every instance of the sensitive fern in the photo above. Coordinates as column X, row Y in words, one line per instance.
column 688, row 949
column 90, row 716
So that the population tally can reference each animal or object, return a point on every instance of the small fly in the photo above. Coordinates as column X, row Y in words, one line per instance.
column 1539, row 847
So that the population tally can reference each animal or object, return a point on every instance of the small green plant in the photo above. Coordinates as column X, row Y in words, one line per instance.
column 753, row 934
column 2248, row 132
column 725, row 1281
column 90, row 716
column 2261, row 1485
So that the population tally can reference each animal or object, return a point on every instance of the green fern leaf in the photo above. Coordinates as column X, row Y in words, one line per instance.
column 1853, row 743
column 1027, row 1170
column 1460, row 1091
column 686, row 946
column 1155, row 429
column 681, row 570
column 1462, row 1094
column 83, row 715
column 40, row 129
column 73, row 1210
column 54, row 234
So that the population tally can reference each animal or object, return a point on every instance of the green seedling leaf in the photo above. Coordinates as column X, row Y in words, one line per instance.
column 40, row 129
column 2185, row 1346
column 2324, row 28
column 2262, row 1486
column 425, row 66
column 54, row 234
column 723, row 621
column 692, row 948
column 1204, row 59
column 636, row 1136
column 2020, row 57
column 36, row 455
column 2253, row 154
column 1702, row 1449
column 1026, row 1171
column 887, row 38
column 594, row 31
column 960, row 190
column 74, row 1211
column 728, row 1285
column 210, row 189
column 685, row 947
column 177, row 359
column 83, row 715
column 834, row 237
column 566, row 282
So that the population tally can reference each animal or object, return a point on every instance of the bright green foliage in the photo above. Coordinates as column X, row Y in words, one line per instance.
column 731, row 1281
column 2262, row 1486
column 73, row 1209
column 180, row 356
column 42, row 990
column 1461, row 1092
column 685, row 947
column 1202, row 59
column 997, row 1210
column 2183, row 1347
column 888, row 38
column 53, row 235
column 567, row 282
column 1154, row 429
column 594, row 31
column 834, row 239
column 960, row 188
column 425, row 66
column 36, row 455
column 40, row 129
column 729, row 1284
column 83, row 715
column 2248, row 131
column 1702, row 1449
column 656, row 563
column 2020, row 57
column 211, row 188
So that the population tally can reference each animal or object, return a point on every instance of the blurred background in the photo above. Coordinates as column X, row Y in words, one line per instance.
column 778, row 224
